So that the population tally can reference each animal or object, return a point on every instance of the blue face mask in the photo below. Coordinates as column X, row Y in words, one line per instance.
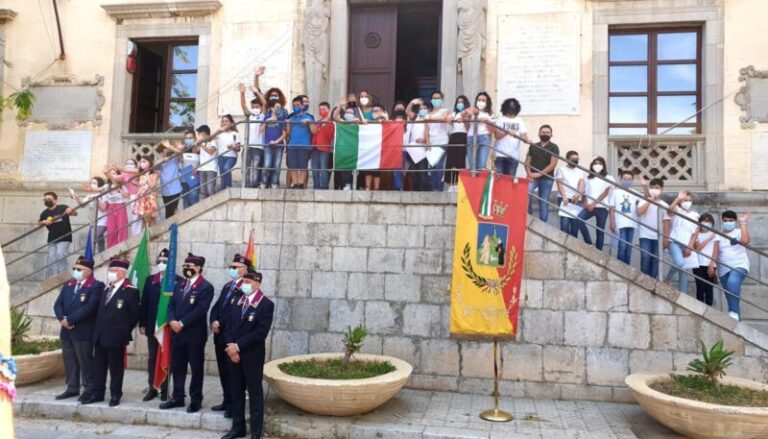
column 246, row 288
column 189, row 142
column 77, row 275
column 423, row 112
column 729, row 226
column 349, row 116
column 233, row 273
column 437, row 103
column 296, row 109
column 305, row 107
column 460, row 106
column 626, row 183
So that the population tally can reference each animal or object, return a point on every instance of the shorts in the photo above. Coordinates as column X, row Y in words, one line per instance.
column 298, row 159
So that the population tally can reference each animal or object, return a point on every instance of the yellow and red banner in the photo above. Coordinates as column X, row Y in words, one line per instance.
column 488, row 255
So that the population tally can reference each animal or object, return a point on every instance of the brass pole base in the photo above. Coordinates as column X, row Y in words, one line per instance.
column 496, row 415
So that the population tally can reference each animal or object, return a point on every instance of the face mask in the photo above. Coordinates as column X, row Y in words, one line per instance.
column 274, row 98
column 545, row 138
column 460, row 106
column 48, row 203
column 709, row 225
column 729, row 226
column 297, row 109
column 376, row 115
column 130, row 165
column 686, row 205
column 364, row 101
column 654, row 192
column 246, row 288
column 626, row 183
column 437, row 103
column 480, row 105
column 352, row 104
column 423, row 112
column 597, row 168
column 572, row 163
column 305, row 107
column 77, row 275
column 256, row 111
column 144, row 165
column 233, row 273
column 161, row 267
column 189, row 142
column 111, row 277
column 349, row 116
column 323, row 113
column 189, row 273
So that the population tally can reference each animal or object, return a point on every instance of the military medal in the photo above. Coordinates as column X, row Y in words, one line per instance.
column 82, row 298
column 232, row 301
column 192, row 300
column 250, row 317
column 119, row 303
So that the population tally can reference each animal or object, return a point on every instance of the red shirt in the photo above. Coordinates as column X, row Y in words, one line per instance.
column 323, row 140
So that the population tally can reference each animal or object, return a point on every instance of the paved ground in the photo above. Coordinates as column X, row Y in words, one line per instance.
column 412, row 414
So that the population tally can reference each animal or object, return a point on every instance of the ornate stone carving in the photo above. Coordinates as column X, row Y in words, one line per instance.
column 317, row 20
column 6, row 15
column 752, row 98
column 63, row 101
column 471, row 43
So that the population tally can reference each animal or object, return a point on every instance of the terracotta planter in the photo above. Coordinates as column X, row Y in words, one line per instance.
column 337, row 397
column 38, row 367
column 699, row 419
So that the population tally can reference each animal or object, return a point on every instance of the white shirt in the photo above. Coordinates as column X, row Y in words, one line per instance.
column 732, row 253
column 482, row 128
column 255, row 135
column 625, row 204
column 458, row 124
column 595, row 188
column 101, row 220
column 207, row 161
column 438, row 131
column 683, row 229
column 113, row 289
column 652, row 219
column 570, row 178
column 705, row 254
column 415, row 131
column 225, row 141
column 509, row 146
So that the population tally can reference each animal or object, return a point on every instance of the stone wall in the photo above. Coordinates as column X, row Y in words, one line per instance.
column 332, row 259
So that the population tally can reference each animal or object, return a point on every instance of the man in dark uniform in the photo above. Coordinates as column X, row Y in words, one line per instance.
column 118, row 312
column 250, row 320
column 153, row 288
column 187, row 314
column 76, row 309
column 218, row 319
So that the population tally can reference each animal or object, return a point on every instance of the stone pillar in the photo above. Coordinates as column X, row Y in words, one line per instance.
column 337, row 74
column 448, row 57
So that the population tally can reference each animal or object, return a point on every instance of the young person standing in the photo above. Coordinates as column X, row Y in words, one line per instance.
column 254, row 152
column 55, row 218
column 570, row 186
column 508, row 138
column 623, row 215
column 540, row 164
column 733, row 260
column 322, row 146
column 299, row 143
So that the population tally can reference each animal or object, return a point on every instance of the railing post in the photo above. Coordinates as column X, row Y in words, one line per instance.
column 246, row 145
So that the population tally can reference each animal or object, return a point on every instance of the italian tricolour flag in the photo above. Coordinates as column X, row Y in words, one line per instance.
column 370, row 146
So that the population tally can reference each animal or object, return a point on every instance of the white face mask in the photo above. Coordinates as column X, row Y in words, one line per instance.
column 256, row 111
column 708, row 226
column 686, row 205
column 161, row 267
column 597, row 168
column 654, row 192
column 364, row 101
column 480, row 105
column 111, row 277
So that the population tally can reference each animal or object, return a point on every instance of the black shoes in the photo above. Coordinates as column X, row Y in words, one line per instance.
column 219, row 408
column 152, row 394
column 66, row 395
column 172, row 404
column 233, row 434
column 194, row 407
column 91, row 399
column 114, row 401
column 227, row 414
column 164, row 395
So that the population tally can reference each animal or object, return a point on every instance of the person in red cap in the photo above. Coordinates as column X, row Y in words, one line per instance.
column 229, row 295
column 118, row 313
column 75, row 309
column 250, row 320
column 187, row 314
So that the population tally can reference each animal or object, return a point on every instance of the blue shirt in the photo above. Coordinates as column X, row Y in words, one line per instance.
column 301, row 137
column 275, row 129
column 169, row 178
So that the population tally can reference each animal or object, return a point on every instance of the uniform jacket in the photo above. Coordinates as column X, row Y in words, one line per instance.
column 79, row 308
column 150, row 299
column 230, row 294
column 191, row 311
column 116, row 319
column 249, row 329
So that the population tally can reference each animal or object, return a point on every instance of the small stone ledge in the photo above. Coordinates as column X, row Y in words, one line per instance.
column 6, row 15
column 161, row 9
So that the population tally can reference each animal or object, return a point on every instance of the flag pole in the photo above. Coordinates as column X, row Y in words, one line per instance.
column 495, row 414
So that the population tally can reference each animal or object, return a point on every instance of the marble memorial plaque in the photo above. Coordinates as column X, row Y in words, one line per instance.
column 246, row 46
column 61, row 102
column 57, row 156
column 539, row 62
column 759, row 158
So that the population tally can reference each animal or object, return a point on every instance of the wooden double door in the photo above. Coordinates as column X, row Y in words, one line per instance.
column 373, row 52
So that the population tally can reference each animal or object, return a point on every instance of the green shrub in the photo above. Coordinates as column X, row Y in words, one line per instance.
column 21, row 324
column 335, row 369
column 353, row 341
column 713, row 363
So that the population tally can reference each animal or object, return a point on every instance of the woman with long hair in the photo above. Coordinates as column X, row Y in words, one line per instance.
column 456, row 157
column 146, row 205
column 476, row 119
column 596, row 203
column 228, row 142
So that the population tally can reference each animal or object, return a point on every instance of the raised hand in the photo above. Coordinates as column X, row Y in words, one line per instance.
column 744, row 217
column 260, row 70
column 241, row 87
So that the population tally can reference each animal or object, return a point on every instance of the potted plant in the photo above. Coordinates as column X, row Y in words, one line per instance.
column 37, row 358
column 334, row 384
column 704, row 403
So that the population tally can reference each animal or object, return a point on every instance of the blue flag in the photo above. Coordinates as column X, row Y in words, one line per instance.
column 89, row 246
column 169, row 279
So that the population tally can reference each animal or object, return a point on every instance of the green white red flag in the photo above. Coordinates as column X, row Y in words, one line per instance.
column 369, row 146
column 162, row 328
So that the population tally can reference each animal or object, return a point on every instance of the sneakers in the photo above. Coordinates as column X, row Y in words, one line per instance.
column 348, row 187
column 733, row 315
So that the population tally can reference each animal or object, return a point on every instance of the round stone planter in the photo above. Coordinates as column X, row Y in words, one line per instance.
column 337, row 397
column 34, row 368
column 699, row 419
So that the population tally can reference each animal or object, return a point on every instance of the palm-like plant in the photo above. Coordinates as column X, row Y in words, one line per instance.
column 21, row 323
column 353, row 341
column 713, row 362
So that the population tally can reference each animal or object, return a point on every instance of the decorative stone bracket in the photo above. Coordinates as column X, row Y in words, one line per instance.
column 63, row 101
column 752, row 98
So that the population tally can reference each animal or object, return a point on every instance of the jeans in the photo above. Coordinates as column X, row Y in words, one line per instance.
column 191, row 196
column 273, row 158
column 601, row 217
column 171, row 204
column 676, row 253
column 436, row 174
column 400, row 173
column 704, row 287
column 321, row 175
column 419, row 178
column 544, row 186
column 625, row 244
column 649, row 257
column 207, row 183
column 479, row 159
column 100, row 231
column 57, row 257
column 253, row 158
column 225, row 167
column 732, row 284
column 506, row 166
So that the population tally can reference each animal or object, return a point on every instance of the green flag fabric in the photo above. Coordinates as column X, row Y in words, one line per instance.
column 140, row 269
